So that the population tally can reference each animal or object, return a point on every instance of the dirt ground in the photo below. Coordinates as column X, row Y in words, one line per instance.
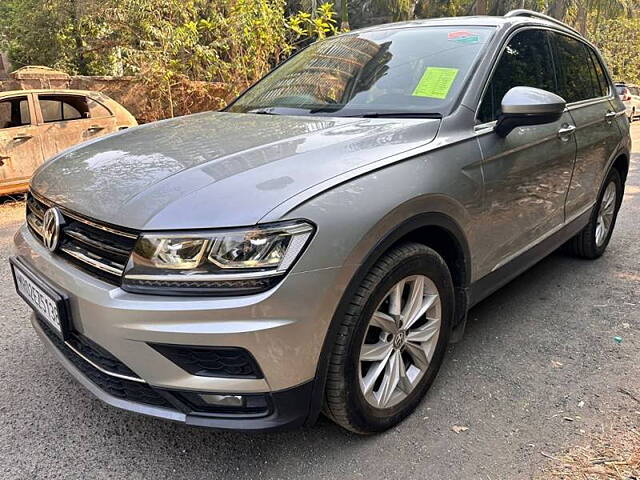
column 539, row 382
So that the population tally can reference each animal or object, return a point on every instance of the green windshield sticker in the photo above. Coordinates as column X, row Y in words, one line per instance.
column 435, row 82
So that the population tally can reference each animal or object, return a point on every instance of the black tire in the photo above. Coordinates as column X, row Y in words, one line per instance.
column 344, row 402
column 584, row 244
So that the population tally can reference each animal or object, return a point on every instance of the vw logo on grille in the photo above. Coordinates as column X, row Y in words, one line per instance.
column 52, row 223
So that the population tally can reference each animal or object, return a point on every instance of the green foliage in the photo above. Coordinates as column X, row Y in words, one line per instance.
column 618, row 40
column 305, row 27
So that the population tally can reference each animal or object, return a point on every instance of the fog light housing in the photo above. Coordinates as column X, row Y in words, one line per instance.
column 214, row 399
column 225, row 404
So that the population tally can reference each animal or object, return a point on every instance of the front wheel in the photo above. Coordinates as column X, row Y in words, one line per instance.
column 592, row 240
column 392, row 340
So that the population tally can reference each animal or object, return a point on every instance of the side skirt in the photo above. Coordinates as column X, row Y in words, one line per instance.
column 482, row 288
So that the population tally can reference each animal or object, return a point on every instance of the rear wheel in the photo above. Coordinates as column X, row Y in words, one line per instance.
column 593, row 239
column 392, row 340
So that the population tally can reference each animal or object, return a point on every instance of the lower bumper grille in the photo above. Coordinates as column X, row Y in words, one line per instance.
column 118, row 387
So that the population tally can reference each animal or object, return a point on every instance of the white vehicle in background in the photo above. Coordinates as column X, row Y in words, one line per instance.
column 630, row 96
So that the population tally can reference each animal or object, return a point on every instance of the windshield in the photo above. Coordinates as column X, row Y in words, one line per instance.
column 406, row 72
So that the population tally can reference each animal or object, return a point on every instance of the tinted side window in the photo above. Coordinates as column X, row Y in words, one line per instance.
column 603, row 83
column 576, row 75
column 14, row 112
column 525, row 61
column 56, row 108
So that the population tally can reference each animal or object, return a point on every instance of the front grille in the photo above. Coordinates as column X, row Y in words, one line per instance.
column 96, row 248
column 118, row 387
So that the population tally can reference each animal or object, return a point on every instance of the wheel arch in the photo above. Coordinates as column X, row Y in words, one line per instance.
column 621, row 163
column 435, row 230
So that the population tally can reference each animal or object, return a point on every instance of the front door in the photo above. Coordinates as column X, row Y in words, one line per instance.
column 20, row 143
column 526, row 174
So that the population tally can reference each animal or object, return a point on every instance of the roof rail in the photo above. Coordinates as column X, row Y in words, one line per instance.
column 521, row 12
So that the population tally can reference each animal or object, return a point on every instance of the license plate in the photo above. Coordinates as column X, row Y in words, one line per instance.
column 41, row 297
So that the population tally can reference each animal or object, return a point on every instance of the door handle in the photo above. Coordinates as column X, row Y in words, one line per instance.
column 94, row 128
column 609, row 116
column 22, row 136
column 566, row 130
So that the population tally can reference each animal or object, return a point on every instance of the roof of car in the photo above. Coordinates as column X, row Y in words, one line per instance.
column 60, row 91
column 477, row 21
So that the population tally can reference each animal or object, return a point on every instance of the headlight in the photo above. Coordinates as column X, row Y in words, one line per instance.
column 218, row 262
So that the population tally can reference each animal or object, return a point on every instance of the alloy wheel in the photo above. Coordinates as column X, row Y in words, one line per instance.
column 400, row 341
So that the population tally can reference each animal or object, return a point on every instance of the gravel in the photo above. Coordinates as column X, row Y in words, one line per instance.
column 538, row 369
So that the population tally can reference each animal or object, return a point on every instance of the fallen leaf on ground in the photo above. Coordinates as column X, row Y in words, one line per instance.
column 459, row 428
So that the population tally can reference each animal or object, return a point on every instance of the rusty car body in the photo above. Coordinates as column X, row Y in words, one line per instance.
column 37, row 124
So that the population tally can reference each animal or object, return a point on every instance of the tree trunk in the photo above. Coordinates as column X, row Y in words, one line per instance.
column 558, row 9
column 582, row 17
column 77, row 38
column 482, row 7
column 344, row 25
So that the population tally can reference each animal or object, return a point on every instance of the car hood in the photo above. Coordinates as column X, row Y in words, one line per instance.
column 216, row 169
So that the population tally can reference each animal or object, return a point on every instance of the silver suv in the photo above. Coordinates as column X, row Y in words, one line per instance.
column 315, row 247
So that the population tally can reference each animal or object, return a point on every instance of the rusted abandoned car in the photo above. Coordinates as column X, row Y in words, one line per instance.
column 37, row 124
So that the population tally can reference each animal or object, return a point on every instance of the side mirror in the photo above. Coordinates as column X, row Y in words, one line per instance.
column 528, row 106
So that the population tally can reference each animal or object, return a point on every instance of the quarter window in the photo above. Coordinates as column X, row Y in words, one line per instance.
column 576, row 75
column 603, row 83
column 97, row 110
column 14, row 112
column 526, row 62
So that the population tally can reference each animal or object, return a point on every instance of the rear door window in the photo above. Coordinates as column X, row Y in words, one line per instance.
column 58, row 108
column 14, row 112
column 577, row 78
column 525, row 62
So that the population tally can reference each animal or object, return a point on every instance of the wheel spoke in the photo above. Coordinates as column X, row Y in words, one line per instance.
column 609, row 197
column 395, row 299
column 390, row 380
column 375, row 352
column 418, row 355
column 427, row 303
column 424, row 333
column 372, row 375
column 384, row 322
column 414, row 302
column 599, row 229
column 405, row 382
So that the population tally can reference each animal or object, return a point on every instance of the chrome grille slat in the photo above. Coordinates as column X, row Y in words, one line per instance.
column 80, row 237
column 99, row 263
column 98, row 249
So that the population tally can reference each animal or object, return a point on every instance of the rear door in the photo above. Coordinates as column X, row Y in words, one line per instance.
column 69, row 119
column 588, row 92
column 526, row 174
column 20, row 143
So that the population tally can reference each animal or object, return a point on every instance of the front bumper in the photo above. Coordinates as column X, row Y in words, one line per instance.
column 288, row 409
column 283, row 329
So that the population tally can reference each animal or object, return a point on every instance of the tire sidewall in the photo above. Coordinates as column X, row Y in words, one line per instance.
column 374, row 419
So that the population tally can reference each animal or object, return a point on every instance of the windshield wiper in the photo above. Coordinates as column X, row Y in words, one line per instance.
column 262, row 111
column 398, row 115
